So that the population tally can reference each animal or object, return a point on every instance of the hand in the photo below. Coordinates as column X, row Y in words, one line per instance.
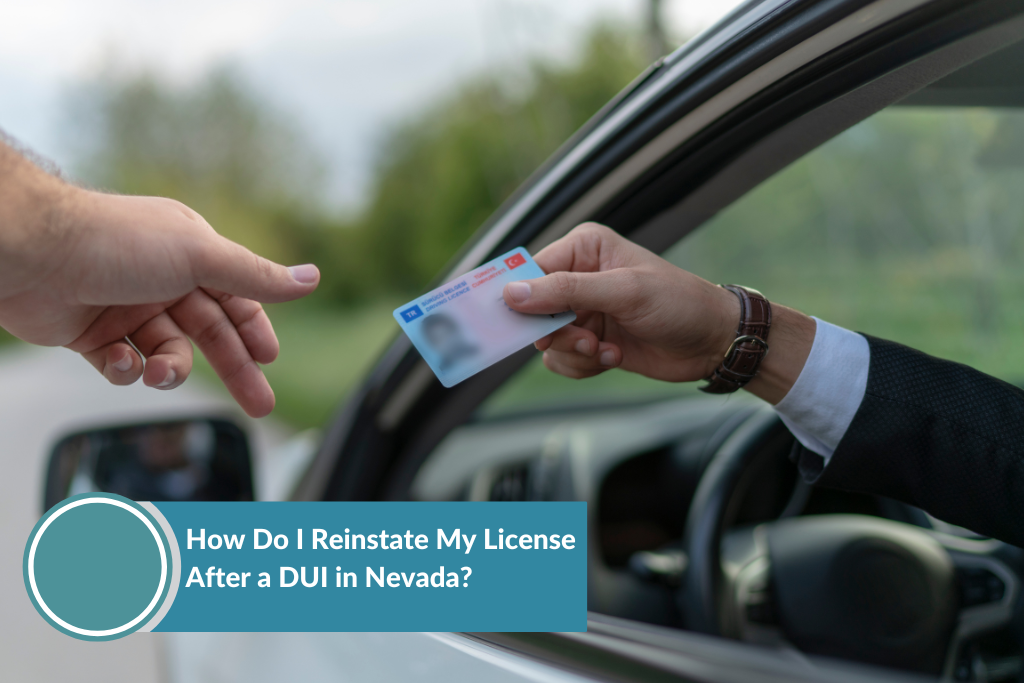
column 638, row 312
column 85, row 270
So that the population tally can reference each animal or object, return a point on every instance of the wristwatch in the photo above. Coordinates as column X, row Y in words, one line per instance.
column 749, row 347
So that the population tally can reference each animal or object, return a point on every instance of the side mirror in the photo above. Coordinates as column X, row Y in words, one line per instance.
column 183, row 460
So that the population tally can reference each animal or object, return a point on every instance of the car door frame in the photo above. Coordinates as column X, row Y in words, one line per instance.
column 694, row 133
column 699, row 129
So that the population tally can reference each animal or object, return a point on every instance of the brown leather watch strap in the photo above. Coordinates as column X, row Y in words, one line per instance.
column 750, row 346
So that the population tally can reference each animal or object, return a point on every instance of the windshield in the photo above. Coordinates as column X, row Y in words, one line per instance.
column 931, row 260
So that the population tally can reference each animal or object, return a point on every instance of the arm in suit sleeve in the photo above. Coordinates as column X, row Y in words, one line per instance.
column 936, row 434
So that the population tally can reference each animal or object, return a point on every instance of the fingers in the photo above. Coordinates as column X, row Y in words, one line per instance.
column 223, row 265
column 577, row 365
column 554, row 364
column 206, row 322
column 579, row 251
column 103, row 342
column 167, row 350
column 589, row 248
column 571, row 339
column 118, row 362
column 252, row 324
column 615, row 292
column 591, row 268
column 234, row 333
column 577, row 352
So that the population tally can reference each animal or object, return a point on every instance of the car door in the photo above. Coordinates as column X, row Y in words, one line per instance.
column 772, row 82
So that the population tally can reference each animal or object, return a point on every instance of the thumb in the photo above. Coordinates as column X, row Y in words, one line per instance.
column 231, row 268
column 609, row 292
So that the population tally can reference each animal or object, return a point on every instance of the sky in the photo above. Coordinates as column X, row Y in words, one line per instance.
column 344, row 69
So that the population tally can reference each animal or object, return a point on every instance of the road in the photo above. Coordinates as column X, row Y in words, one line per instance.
column 45, row 393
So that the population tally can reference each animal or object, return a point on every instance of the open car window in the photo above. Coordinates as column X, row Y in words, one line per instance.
column 908, row 226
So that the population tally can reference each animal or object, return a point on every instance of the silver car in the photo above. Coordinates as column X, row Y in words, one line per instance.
column 825, row 151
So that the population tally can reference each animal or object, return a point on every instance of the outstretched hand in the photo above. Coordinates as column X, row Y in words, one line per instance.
column 88, row 270
column 638, row 312
column 634, row 310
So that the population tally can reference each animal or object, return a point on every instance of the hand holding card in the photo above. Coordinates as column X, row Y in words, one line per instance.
column 465, row 326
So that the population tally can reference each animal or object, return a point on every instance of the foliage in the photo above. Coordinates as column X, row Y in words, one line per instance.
column 907, row 226
column 442, row 174
column 213, row 145
column 224, row 151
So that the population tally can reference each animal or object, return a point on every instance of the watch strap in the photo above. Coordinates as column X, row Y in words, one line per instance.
column 750, row 346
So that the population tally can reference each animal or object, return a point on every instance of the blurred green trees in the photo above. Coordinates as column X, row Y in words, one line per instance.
column 906, row 226
column 224, row 151
column 213, row 145
column 441, row 172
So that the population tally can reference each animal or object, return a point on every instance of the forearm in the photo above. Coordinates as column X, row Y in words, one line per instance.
column 31, row 230
column 938, row 435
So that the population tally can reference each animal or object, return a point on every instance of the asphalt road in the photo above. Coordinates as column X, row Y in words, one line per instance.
column 45, row 393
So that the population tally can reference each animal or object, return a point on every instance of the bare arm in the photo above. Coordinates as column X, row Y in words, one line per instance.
column 86, row 269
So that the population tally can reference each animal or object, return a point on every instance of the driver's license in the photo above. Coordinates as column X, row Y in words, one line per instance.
column 465, row 326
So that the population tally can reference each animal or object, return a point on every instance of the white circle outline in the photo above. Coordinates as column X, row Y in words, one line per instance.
column 32, row 574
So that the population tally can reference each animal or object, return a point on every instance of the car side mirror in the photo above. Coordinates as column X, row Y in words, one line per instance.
column 184, row 460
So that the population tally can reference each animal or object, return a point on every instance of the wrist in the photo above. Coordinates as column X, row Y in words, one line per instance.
column 32, row 224
column 726, row 316
column 790, row 343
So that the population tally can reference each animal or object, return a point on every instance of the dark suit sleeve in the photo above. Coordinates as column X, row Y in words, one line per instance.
column 938, row 435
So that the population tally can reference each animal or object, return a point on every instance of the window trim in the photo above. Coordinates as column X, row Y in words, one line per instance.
column 395, row 419
column 623, row 651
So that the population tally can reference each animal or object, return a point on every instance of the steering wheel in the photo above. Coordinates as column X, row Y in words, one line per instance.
column 850, row 586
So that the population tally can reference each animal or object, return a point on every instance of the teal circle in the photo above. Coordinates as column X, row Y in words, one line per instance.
column 97, row 566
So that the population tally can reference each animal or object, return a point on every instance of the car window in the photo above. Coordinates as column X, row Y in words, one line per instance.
column 908, row 226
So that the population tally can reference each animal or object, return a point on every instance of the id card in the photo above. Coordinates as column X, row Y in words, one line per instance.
column 465, row 326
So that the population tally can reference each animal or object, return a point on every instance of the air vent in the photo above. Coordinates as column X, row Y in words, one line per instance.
column 512, row 484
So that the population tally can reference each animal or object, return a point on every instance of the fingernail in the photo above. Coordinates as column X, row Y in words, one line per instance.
column 168, row 380
column 304, row 274
column 518, row 291
column 125, row 364
column 583, row 346
column 608, row 358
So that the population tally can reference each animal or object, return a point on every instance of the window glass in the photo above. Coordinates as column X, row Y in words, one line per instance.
column 908, row 226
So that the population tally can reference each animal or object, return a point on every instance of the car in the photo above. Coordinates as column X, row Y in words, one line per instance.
column 861, row 160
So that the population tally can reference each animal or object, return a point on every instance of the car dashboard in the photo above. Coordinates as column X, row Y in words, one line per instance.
column 637, row 466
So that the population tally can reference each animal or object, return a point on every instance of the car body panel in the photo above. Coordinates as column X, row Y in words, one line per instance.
column 357, row 657
column 33, row 416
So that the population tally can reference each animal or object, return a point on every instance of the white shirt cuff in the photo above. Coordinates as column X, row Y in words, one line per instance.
column 822, row 403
